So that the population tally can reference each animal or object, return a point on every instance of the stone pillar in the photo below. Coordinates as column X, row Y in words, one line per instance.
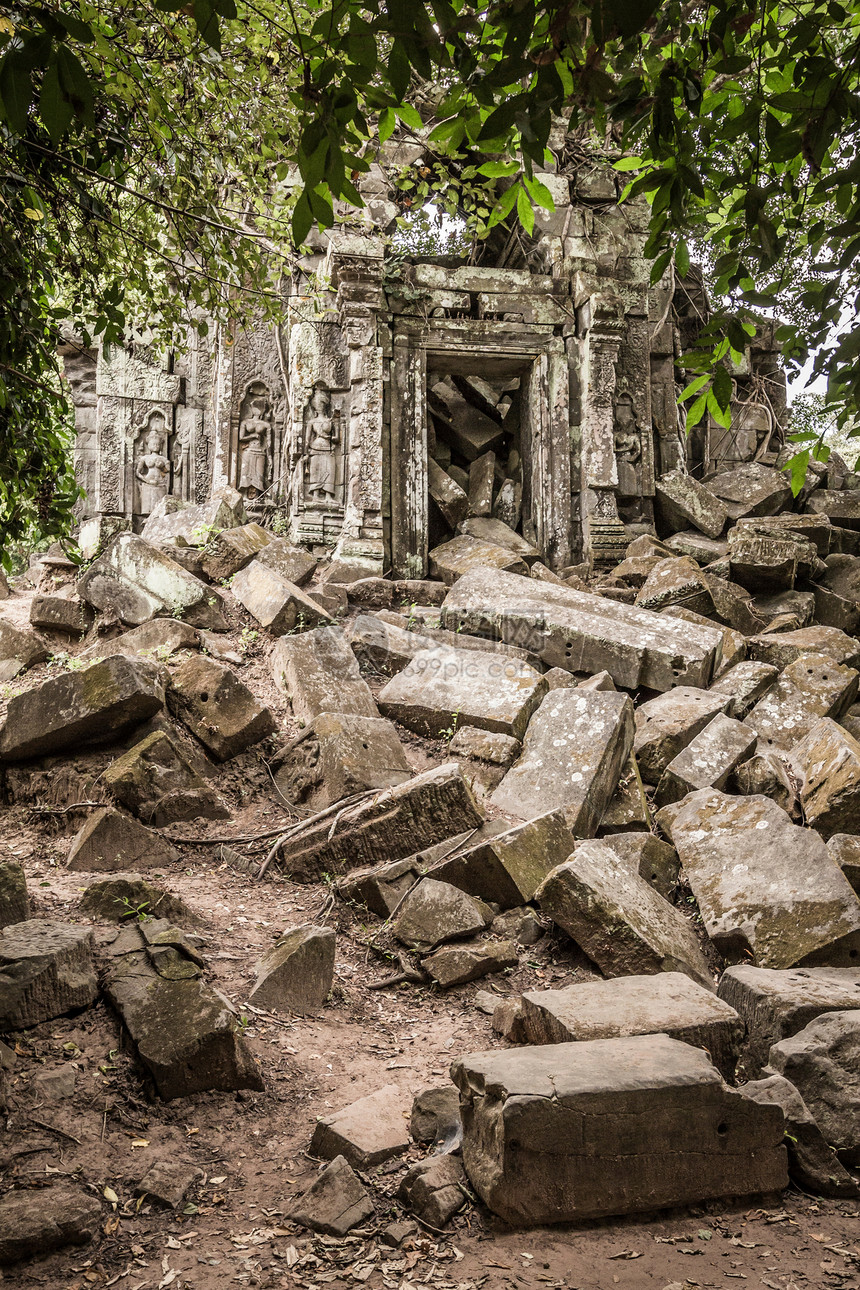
column 603, row 327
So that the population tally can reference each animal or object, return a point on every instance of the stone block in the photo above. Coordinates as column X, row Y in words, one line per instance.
column 14, row 901
column 160, row 637
column 436, row 1115
column 292, row 562
column 822, row 1061
column 174, row 523
column 845, row 850
column 811, row 687
column 230, row 550
column 578, row 1131
column 734, row 642
column 654, row 860
column 337, row 755
column 318, row 672
column 99, row 531
column 55, row 1085
column 216, row 707
column 459, row 964
column 617, row 918
column 107, row 698
column 367, row 1132
column 812, row 1164
column 816, row 529
column 746, row 682
column 733, row 604
column 464, row 687
column 335, row 1202
column 682, row 501
column 841, row 506
column 665, row 725
column 296, row 974
column 826, row 767
column 484, row 745
column 428, row 808
column 766, row 889
column 452, row 501
column 702, row 549
column 434, row 912
column 573, row 754
column 782, row 648
column 751, row 489
column 668, row 1003
column 582, row 632
column 38, row 1222
column 482, row 473
column 46, row 970
column 65, row 614
column 708, row 760
column 136, row 581
column 762, row 563
column 382, row 887
column 462, row 554
column 118, row 899
column 20, row 649
column 156, row 782
column 109, row 841
column 273, row 600
column 167, row 1181
column 675, row 580
column 491, row 529
column 628, row 808
column 520, row 925
column 435, row 1189
column 508, row 868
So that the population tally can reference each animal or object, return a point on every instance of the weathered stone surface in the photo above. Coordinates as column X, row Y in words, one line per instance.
column 733, row 604
column 339, row 754
column 37, row 1222
column 19, row 649
column 507, row 869
column 628, row 808
column 167, row 1181
column 451, row 499
column 46, row 970
column 746, row 682
column 484, row 745
column 734, row 642
column 381, row 888
column 610, row 1126
column 485, row 690
column 136, row 581
column 826, row 766
column 185, row 1033
column 675, row 580
column 666, row 724
column 436, row 1115
column 782, row 648
column 434, row 912
column 175, row 523
column 841, row 506
column 463, row 554
column 55, row 1085
column 428, row 808
column 775, row 1005
column 296, row 974
column 702, row 549
column 99, row 531
column 318, row 672
column 812, row 687
column 335, row 1202
column 482, row 473
column 130, row 896
column 496, row 531
column 617, row 918
column 822, row 1061
column 812, row 528
column 682, row 501
column 582, row 632
column 101, row 700
column 227, row 552
column 665, row 1003
column 751, row 488
column 782, row 605
column 812, row 1164
column 766, row 888
column 708, row 760
column 155, row 781
column 292, row 562
column 520, row 925
column 109, row 841
column 160, row 637
column 14, row 901
column 573, row 752
column 458, row 964
column 277, row 603
column 366, row 1132
column 654, row 860
column 61, row 614
column 435, row 1189
column 845, row 849
column 766, row 774
column 217, row 708
column 762, row 563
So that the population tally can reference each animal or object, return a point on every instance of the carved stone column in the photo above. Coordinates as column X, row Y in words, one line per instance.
column 603, row 327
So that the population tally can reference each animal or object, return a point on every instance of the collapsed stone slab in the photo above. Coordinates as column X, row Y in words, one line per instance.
column 681, row 501
column 14, row 901
column 20, row 649
column 813, row 686
column 845, row 849
column 826, row 766
column 104, row 699
column 582, row 632
column 751, row 489
column 335, row 1202
column 812, row 1164
column 366, row 1132
column 155, row 781
column 337, row 755
column 296, row 974
column 463, row 554
column 109, row 841
column 136, row 581
column 782, row 648
column 746, row 683
column 381, row 888
column 46, row 970
column 132, row 896
column 434, row 912
column 434, row 1189
column 765, row 887
column 666, row 724
column 318, row 672
column 278, row 604
column 216, row 707
column 65, row 614
column 822, row 1061
column 708, row 760
column 37, row 1222
column 653, row 859
column 176, row 523
column 458, row 964
column 160, row 637
column 585, row 1130
column 508, row 868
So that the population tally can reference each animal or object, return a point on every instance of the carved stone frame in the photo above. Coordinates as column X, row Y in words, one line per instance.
column 488, row 347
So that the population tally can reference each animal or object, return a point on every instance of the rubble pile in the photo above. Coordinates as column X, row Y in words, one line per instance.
column 656, row 761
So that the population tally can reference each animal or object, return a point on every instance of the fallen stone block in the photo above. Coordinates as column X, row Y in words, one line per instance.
column 132, row 896
column 335, row 1202
column 428, row 808
column 816, row 529
column 774, row 1005
column 734, row 643
column 371, row 593
column 482, row 472
column 55, row 1085
column 227, row 552
column 812, row 687
column 845, row 850
column 766, row 888
column 434, row 912
column 841, row 506
column 708, row 760
column 667, row 724
column 37, row 1222
column 826, row 767
column 296, row 974
column 216, row 707
column 459, row 964
column 492, row 529
column 61, row 614
column 178, row 523
column 746, row 683
column 292, row 562
column 160, row 637
column 384, row 648
column 485, row 690
column 136, row 581
column 484, row 745
column 435, row 1189
column 367, row 1132
column 582, row 632
column 667, row 1003
column 681, row 501
column 702, row 549
column 46, row 970
column 14, row 901
column 109, row 841
column 463, row 554
column 452, row 501
column 733, row 604
column 766, row 775
column 508, row 868
column 628, row 808
column 107, row 698
column 273, row 600
column 185, row 1033
column 381, row 888
column 317, row 671
column 822, row 1061
column 573, row 753
column 99, row 531
column 567, row 1132
column 762, row 563
column 751, row 489
column 798, row 606
column 654, row 860
column 20, row 649
column 168, row 1181
column 617, row 918
column 812, row 1164
column 782, row 648
column 436, row 1115
column 675, row 580
column 521, row 925
column 155, row 781
column 418, row 591
column 337, row 755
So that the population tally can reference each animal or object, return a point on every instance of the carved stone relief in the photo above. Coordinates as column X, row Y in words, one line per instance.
column 152, row 466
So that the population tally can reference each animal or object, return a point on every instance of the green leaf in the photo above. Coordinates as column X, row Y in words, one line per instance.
column 207, row 23
column 54, row 108
column 798, row 465
column 302, row 219
column 16, row 91
column 658, row 268
column 409, row 116
column 628, row 163
column 387, row 122
column 525, row 211
column 722, row 387
column 694, row 387
column 697, row 411
column 682, row 258
column 497, row 169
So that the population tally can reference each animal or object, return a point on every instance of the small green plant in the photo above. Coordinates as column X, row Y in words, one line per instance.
column 204, row 534
column 280, row 524
column 130, row 910
column 247, row 637
column 449, row 732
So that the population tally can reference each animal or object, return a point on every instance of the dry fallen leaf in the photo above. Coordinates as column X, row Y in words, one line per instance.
column 139, row 1142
